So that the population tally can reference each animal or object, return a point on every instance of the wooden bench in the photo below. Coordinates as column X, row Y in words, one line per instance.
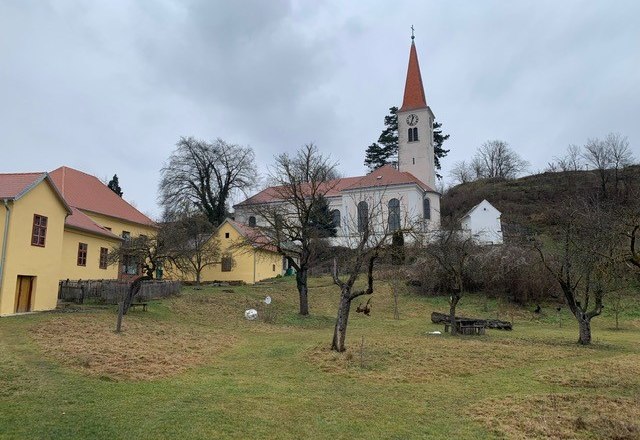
column 467, row 329
column 144, row 306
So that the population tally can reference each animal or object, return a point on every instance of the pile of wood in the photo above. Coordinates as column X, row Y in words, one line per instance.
column 441, row 318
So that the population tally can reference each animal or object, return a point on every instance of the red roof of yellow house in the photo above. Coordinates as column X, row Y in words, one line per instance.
column 79, row 220
column 384, row 176
column 88, row 193
column 254, row 236
column 413, row 89
column 13, row 185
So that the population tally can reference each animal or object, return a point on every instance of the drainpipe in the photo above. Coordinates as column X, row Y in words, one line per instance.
column 5, row 236
column 254, row 266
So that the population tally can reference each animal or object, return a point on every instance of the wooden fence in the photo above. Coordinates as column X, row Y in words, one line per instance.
column 112, row 291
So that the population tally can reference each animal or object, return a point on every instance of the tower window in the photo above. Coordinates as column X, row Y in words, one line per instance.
column 414, row 160
column 413, row 134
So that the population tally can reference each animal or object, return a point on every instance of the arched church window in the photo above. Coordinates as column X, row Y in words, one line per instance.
column 252, row 221
column 363, row 216
column 426, row 208
column 415, row 134
column 394, row 215
column 410, row 134
column 335, row 217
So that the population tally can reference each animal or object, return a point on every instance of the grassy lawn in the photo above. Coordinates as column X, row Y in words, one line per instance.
column 193, row 367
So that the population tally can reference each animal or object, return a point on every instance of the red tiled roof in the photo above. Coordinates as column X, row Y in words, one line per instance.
column 387, row 175
column 254, row 235
column 80, row 220
column 382, row 177
column 88, row 193
column 13, row 185
column 413, row 89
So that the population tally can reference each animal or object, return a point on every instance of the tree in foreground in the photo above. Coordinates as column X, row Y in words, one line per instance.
column 205, row 175
column 370, row 240
column 194, row 245
column 300, row 221
column 581, row 260
column 452, row 250
column 114, row 185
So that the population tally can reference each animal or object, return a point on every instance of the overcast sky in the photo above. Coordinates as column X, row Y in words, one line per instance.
column 109, row 86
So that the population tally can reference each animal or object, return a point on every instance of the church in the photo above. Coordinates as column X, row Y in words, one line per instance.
column 399, row 195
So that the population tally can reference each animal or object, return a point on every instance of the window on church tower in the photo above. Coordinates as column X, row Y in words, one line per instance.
column 413, row 134
column 394, row 215
column 363, row 216
column 335, row 217
column 426, row 208
column 252, row 221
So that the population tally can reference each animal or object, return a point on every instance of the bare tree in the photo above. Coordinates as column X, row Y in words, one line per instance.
column 581, row 261
column 205, row 175
column 461, row 172
column 298, row 220
column 194, row 245
column 452, row 250
column 572, row 160
column 370, row 235
column 496, row 159
column 621, row 156
column 598, row 155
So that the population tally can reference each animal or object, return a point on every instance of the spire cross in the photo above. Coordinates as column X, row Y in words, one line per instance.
column 412, row 36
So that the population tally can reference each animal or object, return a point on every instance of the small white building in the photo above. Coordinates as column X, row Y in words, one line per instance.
column 483, row 223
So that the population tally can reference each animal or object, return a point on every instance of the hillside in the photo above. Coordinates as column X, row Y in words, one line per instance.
column 525, row 202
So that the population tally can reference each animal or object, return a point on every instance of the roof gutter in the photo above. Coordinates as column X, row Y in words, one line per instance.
column 5, row 236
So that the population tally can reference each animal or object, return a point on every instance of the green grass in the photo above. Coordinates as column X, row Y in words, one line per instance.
column 192, row 367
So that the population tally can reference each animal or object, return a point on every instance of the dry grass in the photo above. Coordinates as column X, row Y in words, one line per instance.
column 619, row 372
column 145, row 350
column 423, row 359
column 561, row 416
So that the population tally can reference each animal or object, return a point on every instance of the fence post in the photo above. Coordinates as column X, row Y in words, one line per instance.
column 120, row 313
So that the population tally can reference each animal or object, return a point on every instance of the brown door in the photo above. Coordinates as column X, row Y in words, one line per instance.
column 24, row 290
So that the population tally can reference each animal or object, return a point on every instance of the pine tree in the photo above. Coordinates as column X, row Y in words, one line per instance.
column 321, row 220
column 114, row 185
column 385, row 151
column 438, row 151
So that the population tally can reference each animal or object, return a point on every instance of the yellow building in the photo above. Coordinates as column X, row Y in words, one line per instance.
column 60, row 226
column 32, row 216
column 246, row 255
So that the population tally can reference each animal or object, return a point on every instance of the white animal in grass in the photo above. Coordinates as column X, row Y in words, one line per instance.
column 251, row 314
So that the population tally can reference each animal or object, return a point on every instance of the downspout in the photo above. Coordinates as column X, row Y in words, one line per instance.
column 254, row 266
column 5, row 236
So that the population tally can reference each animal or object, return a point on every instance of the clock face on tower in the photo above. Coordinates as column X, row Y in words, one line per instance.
column 412, row 120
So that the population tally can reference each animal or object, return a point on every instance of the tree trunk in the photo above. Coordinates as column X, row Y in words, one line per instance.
column 198, row 277
column 340, row 330
column 585, row 331
column 453, row 302
column 303, row 291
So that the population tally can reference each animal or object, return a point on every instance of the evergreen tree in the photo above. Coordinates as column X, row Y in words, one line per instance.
column 385, row 151
column 438, row 151
column 114, row 185
column 321, row 220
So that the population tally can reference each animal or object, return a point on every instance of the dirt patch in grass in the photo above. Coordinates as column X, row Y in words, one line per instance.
column 561, row 416
column 144, row 350
column 617, row 372
column 423, row 359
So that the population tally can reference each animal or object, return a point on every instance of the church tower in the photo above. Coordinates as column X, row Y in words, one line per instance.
column 415, row 126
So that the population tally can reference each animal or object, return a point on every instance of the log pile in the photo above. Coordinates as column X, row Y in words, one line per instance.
column 441, row 318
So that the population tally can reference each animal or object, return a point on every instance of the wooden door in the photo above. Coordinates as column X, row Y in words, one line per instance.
column 24, row 290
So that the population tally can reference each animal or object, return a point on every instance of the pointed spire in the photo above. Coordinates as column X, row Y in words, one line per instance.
column 413, row 89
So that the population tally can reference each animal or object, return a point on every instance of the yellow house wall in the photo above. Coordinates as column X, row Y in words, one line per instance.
column 69, row 268
column 24, row 259
column 118, row 225
column 250, row 265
